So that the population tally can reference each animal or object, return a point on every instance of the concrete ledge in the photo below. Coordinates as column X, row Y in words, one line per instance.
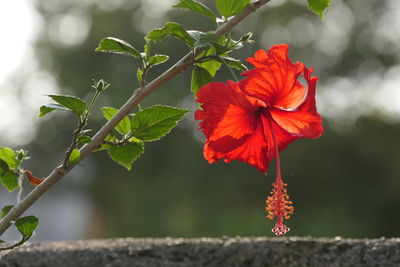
column 292, row 251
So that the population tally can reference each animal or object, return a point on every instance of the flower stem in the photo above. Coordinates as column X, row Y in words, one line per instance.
column 277, row 160
column 278, row 204
column 276, row 147
column 91, row 105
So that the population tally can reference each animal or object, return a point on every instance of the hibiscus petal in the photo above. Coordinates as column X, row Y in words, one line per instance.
column 226, row 111
column 230, row 122
column 253, row 150
column 274, row 80
column 260, row 59
column 304, row 121
column 282, row 137
column 299, row 123
column 257, row 149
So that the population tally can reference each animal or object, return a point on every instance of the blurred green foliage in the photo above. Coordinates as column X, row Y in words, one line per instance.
column 345, row 183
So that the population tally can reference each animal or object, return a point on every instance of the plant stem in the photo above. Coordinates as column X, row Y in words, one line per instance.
column 12, row 246
column 74, row 142
column 137, row 97
column 144, row 76
column 230, row 70
column 206, row 58
column 91, row 105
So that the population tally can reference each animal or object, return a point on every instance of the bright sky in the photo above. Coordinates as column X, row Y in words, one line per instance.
column 19, row 24
column 20, row 99
column 16, row 34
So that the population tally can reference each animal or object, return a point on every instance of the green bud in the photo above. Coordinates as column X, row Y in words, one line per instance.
column 100, row 85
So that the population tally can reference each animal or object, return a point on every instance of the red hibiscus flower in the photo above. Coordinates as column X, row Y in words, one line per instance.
column 252, row 120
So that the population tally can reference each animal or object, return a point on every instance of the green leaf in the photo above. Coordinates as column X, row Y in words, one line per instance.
column 212, row 66
column 9, row 181
column 139, row 74
column 155, row 122
column 117, row 46
column 51, row 107
column 109, row 137
column 225, row 45
column 26, row 226
column 84, row 139
column 103, row 147
column 73, row 103
column 319, row 6
column 229, row 8
column 203, row 39
column 170, row 28
column 147, row 49
column 74, row 157
column 9, row 157
column 196, row 7
column 3, row 167
column 5, row 210
column 157, row 59
column 220, row 49
column 234, row 63
column 124, row 127
column 200, row 77
column 125, row 155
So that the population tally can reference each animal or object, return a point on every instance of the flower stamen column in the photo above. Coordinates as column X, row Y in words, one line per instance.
column 278, row 204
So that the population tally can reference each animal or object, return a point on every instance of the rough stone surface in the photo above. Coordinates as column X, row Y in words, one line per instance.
column 292, row 251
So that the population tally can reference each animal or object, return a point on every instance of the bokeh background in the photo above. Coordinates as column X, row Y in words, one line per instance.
column 344, row 184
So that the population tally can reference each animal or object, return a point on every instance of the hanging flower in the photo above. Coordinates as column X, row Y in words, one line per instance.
column 252, row 120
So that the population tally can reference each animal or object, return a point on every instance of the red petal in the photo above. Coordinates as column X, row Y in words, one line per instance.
column 253, row 149
column 259, row 60
column 231, row 124
column 283, row 138
column 257, row 149
column 274, row 80
column 304, row 121
column 226, row 111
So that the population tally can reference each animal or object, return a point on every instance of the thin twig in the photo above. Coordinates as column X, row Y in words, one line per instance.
column 12, row 246
column 72, row 146
column 98, row 139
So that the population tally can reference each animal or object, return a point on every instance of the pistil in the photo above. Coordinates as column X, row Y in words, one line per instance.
column 278, row 204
